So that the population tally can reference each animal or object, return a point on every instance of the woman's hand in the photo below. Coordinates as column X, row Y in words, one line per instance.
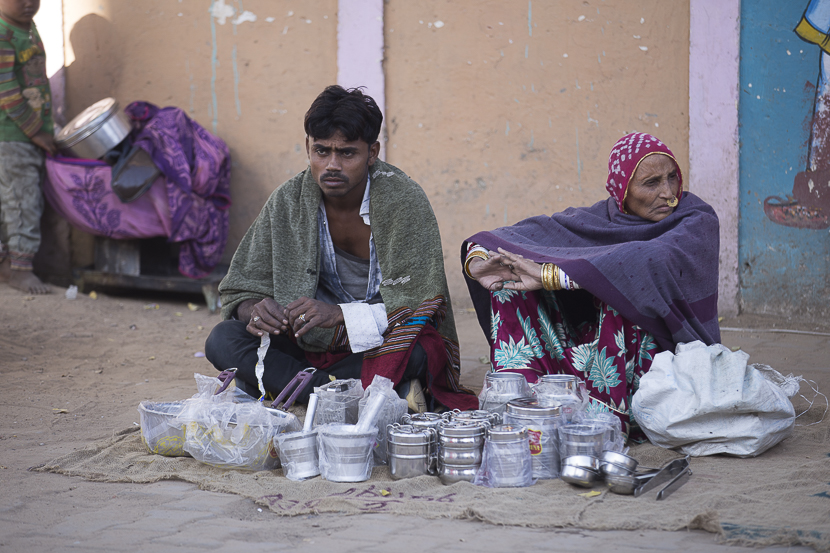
column 490, row 273
column 526, row 274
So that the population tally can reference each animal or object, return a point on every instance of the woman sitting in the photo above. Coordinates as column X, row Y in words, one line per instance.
column 597, row 291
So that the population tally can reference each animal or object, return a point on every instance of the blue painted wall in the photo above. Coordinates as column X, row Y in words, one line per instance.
column 783, row 270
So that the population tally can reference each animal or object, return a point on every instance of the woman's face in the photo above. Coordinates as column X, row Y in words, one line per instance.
column 653, row 185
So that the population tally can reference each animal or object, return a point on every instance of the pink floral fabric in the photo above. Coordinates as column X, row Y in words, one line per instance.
column 534, row 334
column 626, row 156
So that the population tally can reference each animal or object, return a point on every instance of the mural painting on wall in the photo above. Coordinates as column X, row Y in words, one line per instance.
column 809, row 204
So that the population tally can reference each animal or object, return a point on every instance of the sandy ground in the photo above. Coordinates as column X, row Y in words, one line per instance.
column 74, row 371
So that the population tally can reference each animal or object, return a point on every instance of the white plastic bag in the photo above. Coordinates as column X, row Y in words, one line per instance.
column 392, row 411
column 234, row 435
column 338, row 402
column 505, row 465
column 706, row 400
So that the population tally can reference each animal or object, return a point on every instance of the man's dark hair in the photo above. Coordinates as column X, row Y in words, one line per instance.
column 351, row 112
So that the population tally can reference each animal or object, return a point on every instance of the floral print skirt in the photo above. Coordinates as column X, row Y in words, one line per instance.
column 538, row 333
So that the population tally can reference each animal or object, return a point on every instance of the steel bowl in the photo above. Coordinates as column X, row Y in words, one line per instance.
column 619, row 459
column 611, row 469
column 582, row 461
column 579, row 476
column 621, row 484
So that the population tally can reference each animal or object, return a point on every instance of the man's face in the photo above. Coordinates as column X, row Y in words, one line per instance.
column 340, row 167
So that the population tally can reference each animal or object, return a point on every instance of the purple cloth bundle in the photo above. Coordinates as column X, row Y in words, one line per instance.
column 662, row 276
column 189, row 204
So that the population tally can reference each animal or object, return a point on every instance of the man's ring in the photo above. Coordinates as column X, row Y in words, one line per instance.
column 302, row 317
column 255, row 319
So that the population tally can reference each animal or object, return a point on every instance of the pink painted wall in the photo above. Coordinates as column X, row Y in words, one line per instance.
column 714, row 39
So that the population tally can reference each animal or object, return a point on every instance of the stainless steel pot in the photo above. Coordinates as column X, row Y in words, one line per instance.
column 508, row 459
column 477, row 415
column 459, row 455
column 96, row 130
column 542, row 422
column 501, row 387
column 581, row 439
column 345, row 454
column 410, row 451
column 298, row 454
column 424, row 421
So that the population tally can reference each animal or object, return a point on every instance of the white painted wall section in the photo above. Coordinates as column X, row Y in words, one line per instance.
column 360, row 51
column 714, row 76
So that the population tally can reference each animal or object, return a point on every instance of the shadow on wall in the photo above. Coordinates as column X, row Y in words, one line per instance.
column 96, row 71
column 95, row 74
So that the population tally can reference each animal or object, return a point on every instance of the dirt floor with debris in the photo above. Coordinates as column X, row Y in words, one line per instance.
column 73, row 371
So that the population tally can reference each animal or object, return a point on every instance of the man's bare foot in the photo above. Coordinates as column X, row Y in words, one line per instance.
column 5, row 270
column 27, row 281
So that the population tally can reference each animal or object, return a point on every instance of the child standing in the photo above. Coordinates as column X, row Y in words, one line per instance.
column 25, row 133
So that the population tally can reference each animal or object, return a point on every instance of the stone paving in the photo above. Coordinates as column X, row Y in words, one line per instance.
column 47, row 512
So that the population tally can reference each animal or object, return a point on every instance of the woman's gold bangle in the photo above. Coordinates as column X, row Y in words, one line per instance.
column 470, row 256
column 550, row 277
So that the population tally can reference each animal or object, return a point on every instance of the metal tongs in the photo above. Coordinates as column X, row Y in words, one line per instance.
column 676, row 473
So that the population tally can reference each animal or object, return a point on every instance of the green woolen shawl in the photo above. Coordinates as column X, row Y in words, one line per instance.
column 279, row 256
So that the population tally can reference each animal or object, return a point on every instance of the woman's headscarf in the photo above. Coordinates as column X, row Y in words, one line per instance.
column 626, row 156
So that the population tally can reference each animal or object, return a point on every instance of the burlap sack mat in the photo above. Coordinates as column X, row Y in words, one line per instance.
column 781, row 497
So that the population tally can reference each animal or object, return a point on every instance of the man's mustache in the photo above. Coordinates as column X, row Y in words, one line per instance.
column 335, row 176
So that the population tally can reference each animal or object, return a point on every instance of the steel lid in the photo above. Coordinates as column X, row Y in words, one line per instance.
column 424, row 420
column 86, row 122
column 474, row 415
column 408, row 434
column 503, row 376
column 461, row 429
column 557, row 378
column 506, row 433
column 530, row 407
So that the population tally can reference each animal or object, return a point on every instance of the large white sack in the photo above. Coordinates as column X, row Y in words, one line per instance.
column 706, row 400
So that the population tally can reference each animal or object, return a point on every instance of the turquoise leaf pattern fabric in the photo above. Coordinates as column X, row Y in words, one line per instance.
column 532, row 333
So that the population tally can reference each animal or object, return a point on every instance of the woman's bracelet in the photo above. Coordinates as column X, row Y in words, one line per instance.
column 473, row 254
column 550, row 277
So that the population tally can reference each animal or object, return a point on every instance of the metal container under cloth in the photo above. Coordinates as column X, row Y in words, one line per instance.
column 95, row 131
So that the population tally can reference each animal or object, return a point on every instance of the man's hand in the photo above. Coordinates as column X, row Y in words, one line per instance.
column 490, row 273
column 263, row 316
column 45, row 141
column 305, row 313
